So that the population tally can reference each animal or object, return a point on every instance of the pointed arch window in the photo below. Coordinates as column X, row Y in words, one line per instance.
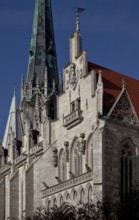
column 82, row 194
column 74, row 195
column 76, row 159
column 78, row 164
column 49, row 205
column 90, row 194
column 61, row 200
column 68, row 197
column 126, row 170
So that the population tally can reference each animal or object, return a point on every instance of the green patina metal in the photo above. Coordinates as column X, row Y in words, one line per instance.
column 32, row 49
column 42, row 48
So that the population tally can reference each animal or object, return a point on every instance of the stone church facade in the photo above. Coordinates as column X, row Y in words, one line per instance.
column 73, row 144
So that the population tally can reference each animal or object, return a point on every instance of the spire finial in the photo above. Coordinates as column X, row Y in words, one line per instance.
column 14, row 90
column 123, row 82
column 78, row 12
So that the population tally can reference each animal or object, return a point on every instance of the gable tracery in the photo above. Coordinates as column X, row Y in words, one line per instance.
column 123, row 111
column 76, row 154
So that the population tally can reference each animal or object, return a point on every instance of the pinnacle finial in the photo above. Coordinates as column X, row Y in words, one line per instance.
column 123, row 82
column 78, row 12
column 37, row 83
column 14, row 90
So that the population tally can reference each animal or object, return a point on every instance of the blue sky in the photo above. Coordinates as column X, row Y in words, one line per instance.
column 109, row 28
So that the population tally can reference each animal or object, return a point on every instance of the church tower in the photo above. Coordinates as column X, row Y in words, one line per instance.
column 42, row 77
column 42, row 53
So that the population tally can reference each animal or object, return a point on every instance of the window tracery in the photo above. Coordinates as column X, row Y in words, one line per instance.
column 77, row 161
column 123, row 111
column 126, row 170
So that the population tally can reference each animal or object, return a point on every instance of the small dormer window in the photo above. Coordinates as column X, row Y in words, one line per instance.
column 78, row 104
column 75, row 115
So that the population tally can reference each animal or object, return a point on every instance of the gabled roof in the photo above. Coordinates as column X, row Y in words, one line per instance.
column 13, row 123
column 112, row 87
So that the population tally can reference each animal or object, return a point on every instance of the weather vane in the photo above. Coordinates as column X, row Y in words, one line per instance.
column 78, row 12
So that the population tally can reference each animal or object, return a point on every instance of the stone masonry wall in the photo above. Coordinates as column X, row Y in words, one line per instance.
column 2, row 199
column 14, row 196
column 113, row 136
column 30, row 191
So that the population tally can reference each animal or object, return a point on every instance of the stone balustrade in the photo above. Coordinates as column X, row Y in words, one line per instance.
column 68, row 184
column 5, row 169
column 37, row 149
column 20, row 160
column 72, row 119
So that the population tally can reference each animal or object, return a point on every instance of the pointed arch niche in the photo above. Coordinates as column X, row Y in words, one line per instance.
column 89, row 152
column 62, row 165
column 75, row 158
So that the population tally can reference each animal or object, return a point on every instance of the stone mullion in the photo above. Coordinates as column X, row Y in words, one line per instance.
column 126, row 175
column 130, row 173
column 123, row 176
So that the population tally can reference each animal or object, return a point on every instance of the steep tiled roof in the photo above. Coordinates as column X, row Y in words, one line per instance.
column 112, row 87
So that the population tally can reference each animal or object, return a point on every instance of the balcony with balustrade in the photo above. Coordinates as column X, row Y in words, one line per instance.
column 5, row 169
column 37, row 150
column 72, row 119
column 68, row 184
column 20, row 160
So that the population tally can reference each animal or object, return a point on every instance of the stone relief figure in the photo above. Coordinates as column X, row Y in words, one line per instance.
column 73, row 78
column 55, row 156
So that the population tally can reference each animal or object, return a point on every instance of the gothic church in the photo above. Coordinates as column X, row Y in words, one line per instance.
column 69, row 143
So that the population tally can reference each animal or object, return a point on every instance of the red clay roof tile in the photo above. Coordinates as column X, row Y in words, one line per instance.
column 112, row 87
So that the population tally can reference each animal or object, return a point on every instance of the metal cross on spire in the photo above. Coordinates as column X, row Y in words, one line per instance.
column 78, row 12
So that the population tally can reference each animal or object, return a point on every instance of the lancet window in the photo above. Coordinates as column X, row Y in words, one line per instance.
column 61, row 200
column 55, row 202
column 68, row 197
column 76, row 159
column 90, row 191
column 82, row 195
column 126, row 170
column 74, row 195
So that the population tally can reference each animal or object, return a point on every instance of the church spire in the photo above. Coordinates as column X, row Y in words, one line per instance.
column 14, row 123
column 42, row 49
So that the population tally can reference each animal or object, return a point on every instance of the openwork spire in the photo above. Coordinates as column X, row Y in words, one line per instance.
column 42, row 51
